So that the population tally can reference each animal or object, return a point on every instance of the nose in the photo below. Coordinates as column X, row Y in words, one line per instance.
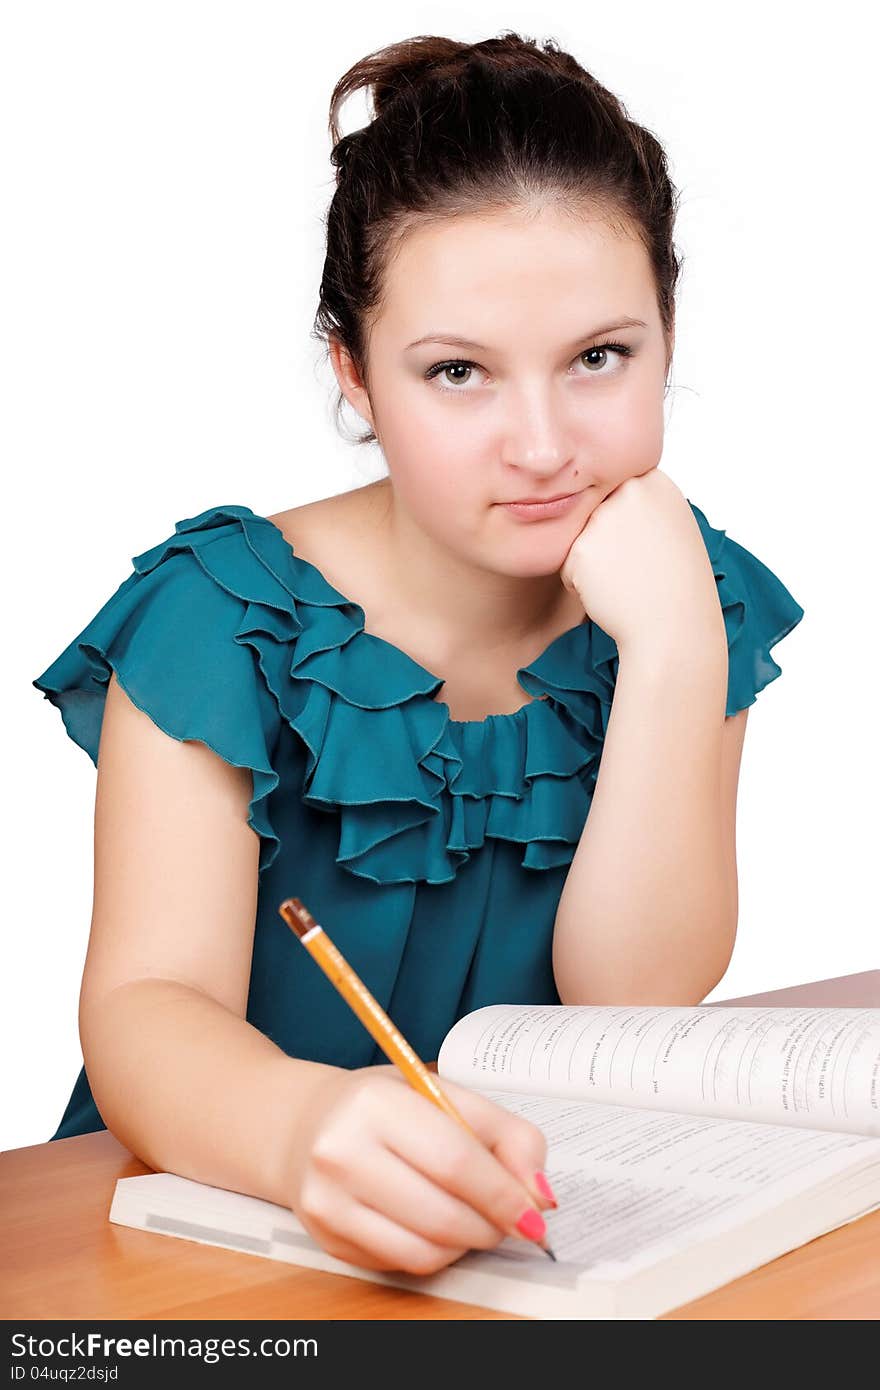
column 536, row 436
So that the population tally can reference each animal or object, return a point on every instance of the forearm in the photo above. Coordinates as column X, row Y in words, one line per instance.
column 647, row 913
column 192, row 1089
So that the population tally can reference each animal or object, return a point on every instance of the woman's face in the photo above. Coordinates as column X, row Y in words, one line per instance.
column 543, row 406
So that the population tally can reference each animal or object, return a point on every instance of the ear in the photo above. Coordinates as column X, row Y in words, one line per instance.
column 350, row 383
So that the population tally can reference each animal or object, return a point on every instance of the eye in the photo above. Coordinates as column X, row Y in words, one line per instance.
column 603, row 350
column 454, row 365
column 461, row 365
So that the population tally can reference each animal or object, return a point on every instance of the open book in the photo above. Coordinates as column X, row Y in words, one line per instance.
column 686, row 1147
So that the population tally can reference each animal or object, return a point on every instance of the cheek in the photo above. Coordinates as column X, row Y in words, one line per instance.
column 425, row 440
column 435, row 483
column 628, row 440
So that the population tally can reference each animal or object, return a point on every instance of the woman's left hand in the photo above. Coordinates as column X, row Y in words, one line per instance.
column 640, row 565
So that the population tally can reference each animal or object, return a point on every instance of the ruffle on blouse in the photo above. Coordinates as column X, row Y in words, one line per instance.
column 758, row 612
column 223, row 635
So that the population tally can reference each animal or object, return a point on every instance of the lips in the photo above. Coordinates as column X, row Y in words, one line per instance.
column 545, row 510
column 531, row 501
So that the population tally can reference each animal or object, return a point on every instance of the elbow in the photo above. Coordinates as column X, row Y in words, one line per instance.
column 636, row 995
column 682, row 978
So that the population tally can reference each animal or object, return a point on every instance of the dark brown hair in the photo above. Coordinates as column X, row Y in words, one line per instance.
column 468, row 127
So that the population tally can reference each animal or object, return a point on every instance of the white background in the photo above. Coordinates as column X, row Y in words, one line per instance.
column 166, row 173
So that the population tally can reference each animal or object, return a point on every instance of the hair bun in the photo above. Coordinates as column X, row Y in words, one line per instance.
column 394, row 71
column 408, row 62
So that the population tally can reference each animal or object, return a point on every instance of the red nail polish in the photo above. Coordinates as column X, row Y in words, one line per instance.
column 544, row 1188
column 531, row 1225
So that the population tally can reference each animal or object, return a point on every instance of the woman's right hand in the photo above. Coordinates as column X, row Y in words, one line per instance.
column 381, row 1177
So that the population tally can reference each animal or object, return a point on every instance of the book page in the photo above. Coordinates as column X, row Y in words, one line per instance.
column 635, row 1185
column 812, row 1067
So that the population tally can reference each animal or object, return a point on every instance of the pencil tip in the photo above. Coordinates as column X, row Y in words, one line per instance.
column 549, row 1252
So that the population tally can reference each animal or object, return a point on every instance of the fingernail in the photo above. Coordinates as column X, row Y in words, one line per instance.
column 531, row 1225
column 544, row 1188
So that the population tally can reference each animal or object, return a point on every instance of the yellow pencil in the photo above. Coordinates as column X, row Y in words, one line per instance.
column 371, row 1014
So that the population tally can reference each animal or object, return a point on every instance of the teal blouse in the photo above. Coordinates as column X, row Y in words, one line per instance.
column 433, row 850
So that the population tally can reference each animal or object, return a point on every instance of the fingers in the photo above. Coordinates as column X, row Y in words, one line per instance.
column 467, row 1165
column 522, row 1149
column 517, row 1144
column 360, row 1235
column 414, row 1202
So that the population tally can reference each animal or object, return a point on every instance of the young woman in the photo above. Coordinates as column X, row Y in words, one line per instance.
column 393, row 703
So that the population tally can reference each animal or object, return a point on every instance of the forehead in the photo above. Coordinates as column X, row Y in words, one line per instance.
column 465, row 271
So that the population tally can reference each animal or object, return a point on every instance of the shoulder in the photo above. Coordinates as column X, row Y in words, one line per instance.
column 337, row 535
column 325, row 523
column 195, row 636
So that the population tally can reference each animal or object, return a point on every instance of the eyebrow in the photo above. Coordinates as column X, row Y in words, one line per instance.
column 452, row 339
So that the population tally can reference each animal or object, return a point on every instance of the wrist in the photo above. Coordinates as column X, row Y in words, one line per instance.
column 696, row 663
column 293, row 1086
column 698, row 642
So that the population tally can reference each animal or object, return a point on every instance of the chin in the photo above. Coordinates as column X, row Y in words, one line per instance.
column 536, row 566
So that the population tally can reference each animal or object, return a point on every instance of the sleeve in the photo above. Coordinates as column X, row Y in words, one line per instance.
column 758, row 612
column 172, row 636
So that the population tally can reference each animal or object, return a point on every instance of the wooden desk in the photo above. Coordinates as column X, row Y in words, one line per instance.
column 62, row 1258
